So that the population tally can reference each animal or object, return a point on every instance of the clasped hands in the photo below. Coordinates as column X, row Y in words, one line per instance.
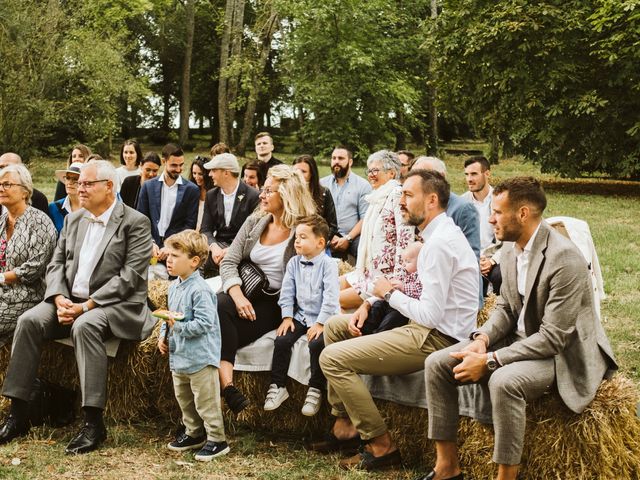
column 67, row 311
column 473, row 365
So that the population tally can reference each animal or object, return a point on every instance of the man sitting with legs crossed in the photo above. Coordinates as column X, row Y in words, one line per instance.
column 444, row 314
column 543, row 332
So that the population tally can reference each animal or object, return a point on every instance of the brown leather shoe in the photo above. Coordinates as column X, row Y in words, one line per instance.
column 330, row 444
column 365, row 460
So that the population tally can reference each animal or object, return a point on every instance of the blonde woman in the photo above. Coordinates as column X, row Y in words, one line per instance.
column 266, row 239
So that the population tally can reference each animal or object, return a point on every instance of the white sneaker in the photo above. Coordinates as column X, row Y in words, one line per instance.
column 312, row 402
column 275, row 396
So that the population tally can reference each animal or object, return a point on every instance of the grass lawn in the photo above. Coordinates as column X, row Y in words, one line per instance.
column 138, row 451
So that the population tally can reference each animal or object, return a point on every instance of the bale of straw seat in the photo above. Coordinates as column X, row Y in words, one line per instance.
column 602, row 442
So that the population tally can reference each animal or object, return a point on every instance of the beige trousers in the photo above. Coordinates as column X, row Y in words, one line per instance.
column 198, row 395
column 394, row 352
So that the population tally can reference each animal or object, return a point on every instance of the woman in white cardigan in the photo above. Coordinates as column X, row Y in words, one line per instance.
column 266, row 238
column 384, row 235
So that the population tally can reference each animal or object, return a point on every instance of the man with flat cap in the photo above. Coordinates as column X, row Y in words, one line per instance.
column 226, row 207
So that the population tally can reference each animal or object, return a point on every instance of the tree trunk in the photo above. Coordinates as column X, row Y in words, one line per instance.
column 186, row 73
column 267, row 31
column 432, row 132
column 401, row 138
column 231, row 49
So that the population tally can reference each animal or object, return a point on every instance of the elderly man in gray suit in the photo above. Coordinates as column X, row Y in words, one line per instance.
column 544, row 332
column 96, row 288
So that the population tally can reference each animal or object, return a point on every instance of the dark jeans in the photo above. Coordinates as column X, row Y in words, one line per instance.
column 353, row 250
column 238, row 332
column 282, row 357
column 382, row 317
column 494, row 278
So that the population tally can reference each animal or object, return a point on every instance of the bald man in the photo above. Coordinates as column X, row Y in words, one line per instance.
column 38, row 199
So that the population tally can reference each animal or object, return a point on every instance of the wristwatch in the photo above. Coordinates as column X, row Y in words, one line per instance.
column 492, row 363
column 387, row 296
column 85, row 307
column 348, row 237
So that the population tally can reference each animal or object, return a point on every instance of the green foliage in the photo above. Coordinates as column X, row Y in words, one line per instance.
column 557, row 80
column 352, row 66
column 63, row 69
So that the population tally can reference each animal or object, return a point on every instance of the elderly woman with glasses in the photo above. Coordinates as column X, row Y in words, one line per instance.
column 27, row 240
column 61, row 208
column 266, row 239
column 384, row 235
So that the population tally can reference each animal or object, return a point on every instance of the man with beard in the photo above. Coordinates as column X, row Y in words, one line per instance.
column 543, row 335
column 477, row 173
column 444, row 314
column 168, row 200
column 348, row 191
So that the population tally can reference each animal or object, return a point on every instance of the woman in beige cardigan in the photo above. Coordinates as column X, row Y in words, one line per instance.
column 266, row 238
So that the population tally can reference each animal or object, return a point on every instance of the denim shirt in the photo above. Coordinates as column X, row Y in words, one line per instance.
column 195, row 341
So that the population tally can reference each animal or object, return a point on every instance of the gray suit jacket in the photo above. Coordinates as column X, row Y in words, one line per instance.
column 118, row 283
column 559, row 317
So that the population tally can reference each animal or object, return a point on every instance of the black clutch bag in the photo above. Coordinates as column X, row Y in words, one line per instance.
column 254, row 280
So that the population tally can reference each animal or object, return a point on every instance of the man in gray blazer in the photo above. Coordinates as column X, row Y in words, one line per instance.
column 543, row 332
column 96, row 288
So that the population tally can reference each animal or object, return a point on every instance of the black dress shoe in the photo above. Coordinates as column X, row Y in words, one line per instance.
column 330, row 444
column 432, row 475
column 12, row 428
column 89, row 438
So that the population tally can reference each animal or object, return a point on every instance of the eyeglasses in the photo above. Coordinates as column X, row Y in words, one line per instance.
column 8, row 185
column 373, row 171
column 90, row 184
column 70, row 180
column 267, row 192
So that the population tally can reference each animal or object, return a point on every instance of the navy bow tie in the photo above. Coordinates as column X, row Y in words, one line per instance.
column 306, row 264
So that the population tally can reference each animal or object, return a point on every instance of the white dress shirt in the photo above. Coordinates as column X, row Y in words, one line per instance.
column 522, row 269
column 487, row 236
column 449, row 272
column 228, row 203
column 87, row 259
column 168, row 199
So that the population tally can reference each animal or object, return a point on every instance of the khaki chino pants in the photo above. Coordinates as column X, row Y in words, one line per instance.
column 198, row 395
column 394, row 352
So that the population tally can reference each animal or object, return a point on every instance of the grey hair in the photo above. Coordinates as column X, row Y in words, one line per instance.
column 24, row 177
column 104, row 171
column 434, row 163
column 390, row 161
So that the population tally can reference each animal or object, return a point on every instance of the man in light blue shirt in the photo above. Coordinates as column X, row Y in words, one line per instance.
column 348, row 191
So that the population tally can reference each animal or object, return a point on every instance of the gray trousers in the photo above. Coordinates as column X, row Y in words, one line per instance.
column 39, row 324
column 509, row 388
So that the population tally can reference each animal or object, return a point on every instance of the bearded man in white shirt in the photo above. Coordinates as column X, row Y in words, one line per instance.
column 96, row 289
column 444, row 314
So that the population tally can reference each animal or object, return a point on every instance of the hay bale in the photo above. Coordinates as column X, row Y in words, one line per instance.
column 344, row 267
column 603, row 442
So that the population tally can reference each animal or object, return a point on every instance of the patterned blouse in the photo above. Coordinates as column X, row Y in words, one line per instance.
column 27, row 254
column 394, row 236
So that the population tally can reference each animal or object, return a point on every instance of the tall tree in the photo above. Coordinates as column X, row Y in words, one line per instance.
column 555, row 80
column 186, row 72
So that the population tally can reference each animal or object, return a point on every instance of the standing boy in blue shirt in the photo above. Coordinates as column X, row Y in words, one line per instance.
column 309, row 296
column 194, row 348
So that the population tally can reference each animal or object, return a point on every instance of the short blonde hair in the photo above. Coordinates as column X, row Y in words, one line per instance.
column 294, row 193
column 24, row 177
column 192, row 243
